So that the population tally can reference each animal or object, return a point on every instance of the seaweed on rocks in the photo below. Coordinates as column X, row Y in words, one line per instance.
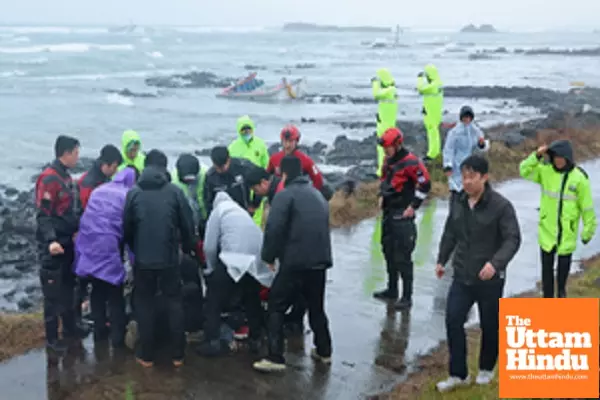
column 128, row 93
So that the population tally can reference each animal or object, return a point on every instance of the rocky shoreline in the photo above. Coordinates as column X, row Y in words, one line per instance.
column 19, row 286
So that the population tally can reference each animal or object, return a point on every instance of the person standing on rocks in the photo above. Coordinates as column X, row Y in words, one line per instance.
column 101, row 172
column 57, row 222
column 483, row 232
column 384, row 91
column 404, row 185
column 131, row 148
column 429, row 85
column 462, row 141
column 290, row 136
column 100, row 253
column 297, row 235
column 158, row 222
column 253, row 149
column 565, row 200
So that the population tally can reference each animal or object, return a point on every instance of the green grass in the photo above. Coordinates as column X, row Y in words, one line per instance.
column 433, row 367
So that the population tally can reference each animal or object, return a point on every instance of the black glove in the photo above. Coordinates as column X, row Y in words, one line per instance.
column 373, row 79
column 447, row 169
column 585, row 241
column 421, row 74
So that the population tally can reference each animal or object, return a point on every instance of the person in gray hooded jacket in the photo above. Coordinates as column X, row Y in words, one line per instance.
column 462, row 141
column 232, row 247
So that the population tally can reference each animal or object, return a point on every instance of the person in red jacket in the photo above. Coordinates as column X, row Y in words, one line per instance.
column 405, row 183
column 290, row 136
column 101, row 172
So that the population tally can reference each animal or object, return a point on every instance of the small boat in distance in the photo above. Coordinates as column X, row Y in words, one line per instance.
column 251, row 88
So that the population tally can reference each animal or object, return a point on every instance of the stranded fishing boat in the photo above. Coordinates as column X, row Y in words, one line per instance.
column 251, row 88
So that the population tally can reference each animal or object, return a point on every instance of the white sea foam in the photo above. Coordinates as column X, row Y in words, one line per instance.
column 115, row 98
column 11, row 74
column 66, row 48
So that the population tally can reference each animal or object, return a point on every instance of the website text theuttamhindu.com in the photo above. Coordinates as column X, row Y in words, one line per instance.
column 549, row 377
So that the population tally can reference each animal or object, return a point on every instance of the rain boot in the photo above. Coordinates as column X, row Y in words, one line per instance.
column 391, row 293
column 405, row 302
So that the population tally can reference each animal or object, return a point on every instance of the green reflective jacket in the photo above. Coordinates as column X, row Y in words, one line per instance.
column 255, row 150
column 565, row 199
column 138, row 162
column 433, row 94
column 384, row 92
column 199, row 191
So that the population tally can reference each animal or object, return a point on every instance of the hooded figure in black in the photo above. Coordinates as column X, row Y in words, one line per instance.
column 157, row 222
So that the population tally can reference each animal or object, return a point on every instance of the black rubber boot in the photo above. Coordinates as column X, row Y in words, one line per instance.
column 405, row 302
column 391, row 293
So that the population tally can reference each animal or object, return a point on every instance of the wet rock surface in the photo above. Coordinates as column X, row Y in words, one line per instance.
column 128, row 93
column 194, row 79
column 373, row 345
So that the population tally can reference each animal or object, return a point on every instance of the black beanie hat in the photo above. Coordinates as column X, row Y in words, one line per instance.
column 291, row 166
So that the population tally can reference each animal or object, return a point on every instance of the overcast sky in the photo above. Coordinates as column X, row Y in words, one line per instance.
column 505, row 14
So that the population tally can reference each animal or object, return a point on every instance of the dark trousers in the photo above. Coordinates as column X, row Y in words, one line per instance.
column 286, row 285
column 220, row 289
column 562, row 273
column 58, row 287
column 398, row 240
column 295, row 316
column 461, row 298
column 148, row 283
column 104, row 294
column 193, row 295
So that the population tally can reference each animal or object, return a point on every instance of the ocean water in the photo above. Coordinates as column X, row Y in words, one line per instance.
column 53, row 80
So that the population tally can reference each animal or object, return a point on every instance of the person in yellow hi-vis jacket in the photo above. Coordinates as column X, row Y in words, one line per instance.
column 384, row 91
column 253, row 149
column 566, row 199
column 429, row 85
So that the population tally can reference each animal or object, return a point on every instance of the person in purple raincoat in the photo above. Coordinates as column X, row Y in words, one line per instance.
column 99, row 251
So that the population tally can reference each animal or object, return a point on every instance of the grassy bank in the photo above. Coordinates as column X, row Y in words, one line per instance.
column 504, row 165
column 20, row 333
column 434, row 367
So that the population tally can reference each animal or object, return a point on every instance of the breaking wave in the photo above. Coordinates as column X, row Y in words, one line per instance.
column 115, row 98
column 10, row 74
column 67, row 48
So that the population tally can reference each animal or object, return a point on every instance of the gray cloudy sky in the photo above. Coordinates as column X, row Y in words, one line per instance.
column 506, row 14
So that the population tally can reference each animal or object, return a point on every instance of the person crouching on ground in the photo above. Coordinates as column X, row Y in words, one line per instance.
column 566, row 198
column 462, row 141
column 297, row 235
column 483, row 232
column 157, row 219
column 99, row 252
column 232, row 244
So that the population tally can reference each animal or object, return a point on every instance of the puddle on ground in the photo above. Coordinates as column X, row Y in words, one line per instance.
column 372, row 345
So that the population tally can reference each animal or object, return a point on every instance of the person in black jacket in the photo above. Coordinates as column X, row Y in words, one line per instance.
column 57, row 220
column 483, row 232
column 157, row 218
column 297, row 235
column 263, row 183
column 227, row 174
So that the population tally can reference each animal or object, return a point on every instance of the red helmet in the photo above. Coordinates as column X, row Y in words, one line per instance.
column 390, row 138
column 290, row 132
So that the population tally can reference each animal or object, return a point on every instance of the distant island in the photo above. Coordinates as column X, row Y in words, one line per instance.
column 485, row 28
column 306, row 27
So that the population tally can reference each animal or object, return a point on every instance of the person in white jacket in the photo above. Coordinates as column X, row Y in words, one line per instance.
column 232, row 247
column 462, row 141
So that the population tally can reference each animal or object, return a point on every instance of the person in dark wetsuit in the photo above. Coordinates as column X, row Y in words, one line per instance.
column 57, row 222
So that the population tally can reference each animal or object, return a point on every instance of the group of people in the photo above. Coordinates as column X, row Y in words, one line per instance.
column 194, row 230
column 193, row 237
